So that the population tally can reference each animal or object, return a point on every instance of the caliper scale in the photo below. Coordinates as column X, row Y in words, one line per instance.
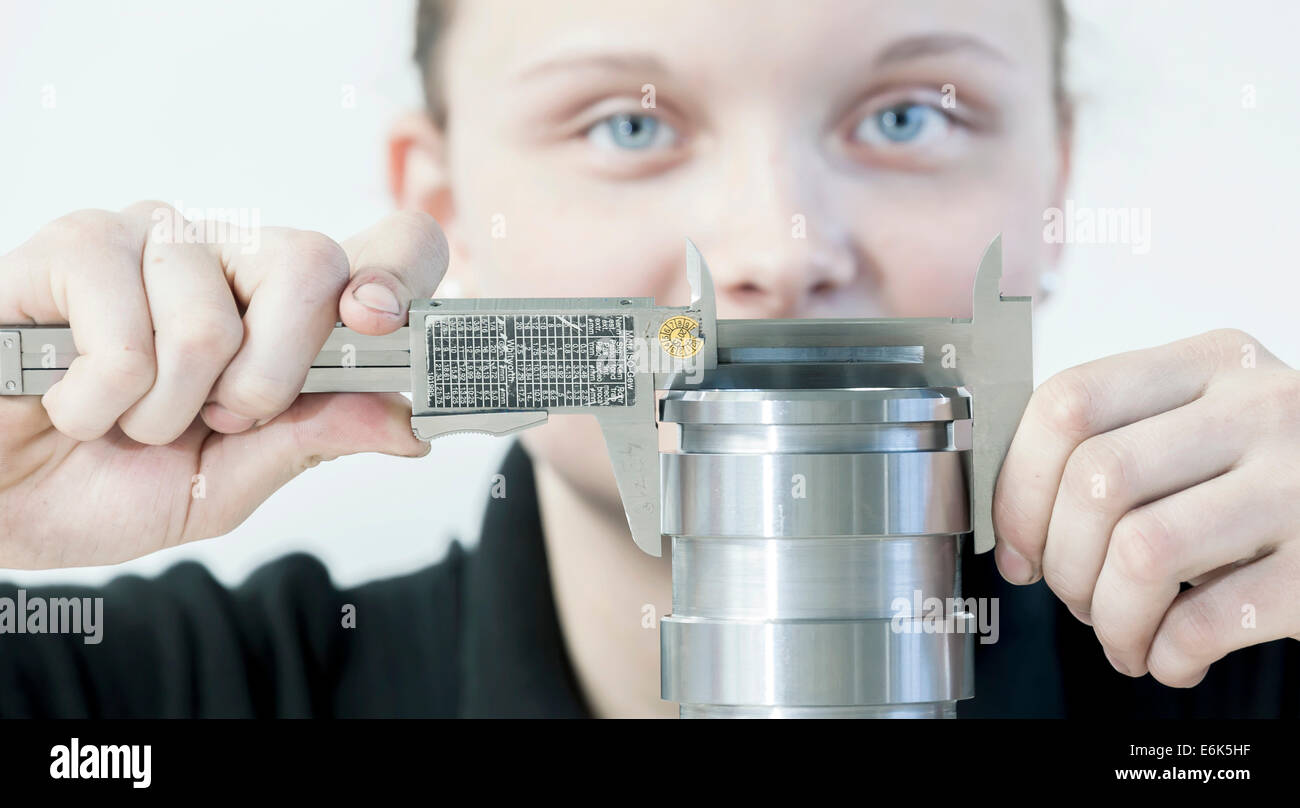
column 899, row 426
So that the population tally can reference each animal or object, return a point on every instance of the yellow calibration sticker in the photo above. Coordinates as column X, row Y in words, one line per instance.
column 677, row 337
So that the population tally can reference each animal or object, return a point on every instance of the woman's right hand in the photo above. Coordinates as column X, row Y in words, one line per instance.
column 182, row 412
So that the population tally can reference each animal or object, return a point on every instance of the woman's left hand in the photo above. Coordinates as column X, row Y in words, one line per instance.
column 1134, row 473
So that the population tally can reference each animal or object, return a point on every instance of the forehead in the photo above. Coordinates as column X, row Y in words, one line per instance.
column 759, row 41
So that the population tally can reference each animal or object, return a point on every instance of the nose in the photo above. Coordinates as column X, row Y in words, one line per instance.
column 779, row 251
column 767, row 274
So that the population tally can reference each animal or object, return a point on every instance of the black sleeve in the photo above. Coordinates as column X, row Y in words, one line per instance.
column 183, row 645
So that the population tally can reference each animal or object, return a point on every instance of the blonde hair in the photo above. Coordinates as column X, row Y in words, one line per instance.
column 432, row 18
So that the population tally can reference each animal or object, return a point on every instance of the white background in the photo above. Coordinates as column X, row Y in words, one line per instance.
column 239, row 104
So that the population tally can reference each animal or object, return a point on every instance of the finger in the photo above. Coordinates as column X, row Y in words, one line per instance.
column 1193, row 535
column 95, row 285
column 1108, row 475
column 241, row 470
column 1255, row 604
column 197, row 330
column 401, row 259
column 1085, row 401
column 291, row 287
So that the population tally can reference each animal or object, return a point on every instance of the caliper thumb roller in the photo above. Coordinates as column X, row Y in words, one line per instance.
column 826, row 473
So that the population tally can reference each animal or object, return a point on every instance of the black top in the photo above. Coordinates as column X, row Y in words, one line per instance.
column 477, row 635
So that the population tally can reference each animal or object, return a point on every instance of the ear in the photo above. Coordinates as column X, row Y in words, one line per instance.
column 418, row 179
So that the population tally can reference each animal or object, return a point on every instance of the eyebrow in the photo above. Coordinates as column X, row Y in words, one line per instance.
column 917, row 47
column 906, row 49
column 625, row 62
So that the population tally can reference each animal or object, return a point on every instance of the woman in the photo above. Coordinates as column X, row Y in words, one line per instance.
column 849, row 160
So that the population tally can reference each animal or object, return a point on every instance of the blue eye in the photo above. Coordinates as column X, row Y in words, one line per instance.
column 631, row 132
column 902, row 123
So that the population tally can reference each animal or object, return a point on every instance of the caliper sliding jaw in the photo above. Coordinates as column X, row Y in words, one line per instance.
column 678, row 341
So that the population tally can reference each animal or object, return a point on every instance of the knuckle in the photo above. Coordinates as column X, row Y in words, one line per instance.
column 1143, row 548
column 155, row 210
column 1068, row 403
column 1278, row 398
column 1098, row 468
column 1230, row 339
column 1194, row 629
column 101, row 229
column 257, row 396
column 1218, row 349
column 148, row 206
column 129, row 369
column 207, row 333
column 317, row 264
column 319, row 253
column 424, row 230
column 1066, row 585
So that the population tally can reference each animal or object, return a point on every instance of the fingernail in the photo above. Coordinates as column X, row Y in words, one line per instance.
column 377, row 297
column 1015, row 567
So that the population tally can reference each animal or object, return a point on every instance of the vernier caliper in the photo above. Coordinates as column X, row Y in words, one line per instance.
column 503, row 365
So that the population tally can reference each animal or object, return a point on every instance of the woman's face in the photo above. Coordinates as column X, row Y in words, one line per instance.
column 835, row 158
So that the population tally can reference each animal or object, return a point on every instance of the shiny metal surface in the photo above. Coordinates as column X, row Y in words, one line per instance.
column 865, row 493
column 810, row 663
column 809, row 579
column 805, row 525
column 936, row 709
column 821, row 438
column 819, row 407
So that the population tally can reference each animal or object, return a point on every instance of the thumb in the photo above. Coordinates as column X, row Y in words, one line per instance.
column 401, row 259
column 240, row 471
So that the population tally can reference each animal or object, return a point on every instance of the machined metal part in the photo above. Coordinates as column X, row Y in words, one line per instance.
column 791, row 557
column 988, row 354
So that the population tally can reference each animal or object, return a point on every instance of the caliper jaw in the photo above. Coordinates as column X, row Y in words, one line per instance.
column 501, row 366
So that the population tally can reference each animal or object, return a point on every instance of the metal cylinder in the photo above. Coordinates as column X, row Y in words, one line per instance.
column 806, row 526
